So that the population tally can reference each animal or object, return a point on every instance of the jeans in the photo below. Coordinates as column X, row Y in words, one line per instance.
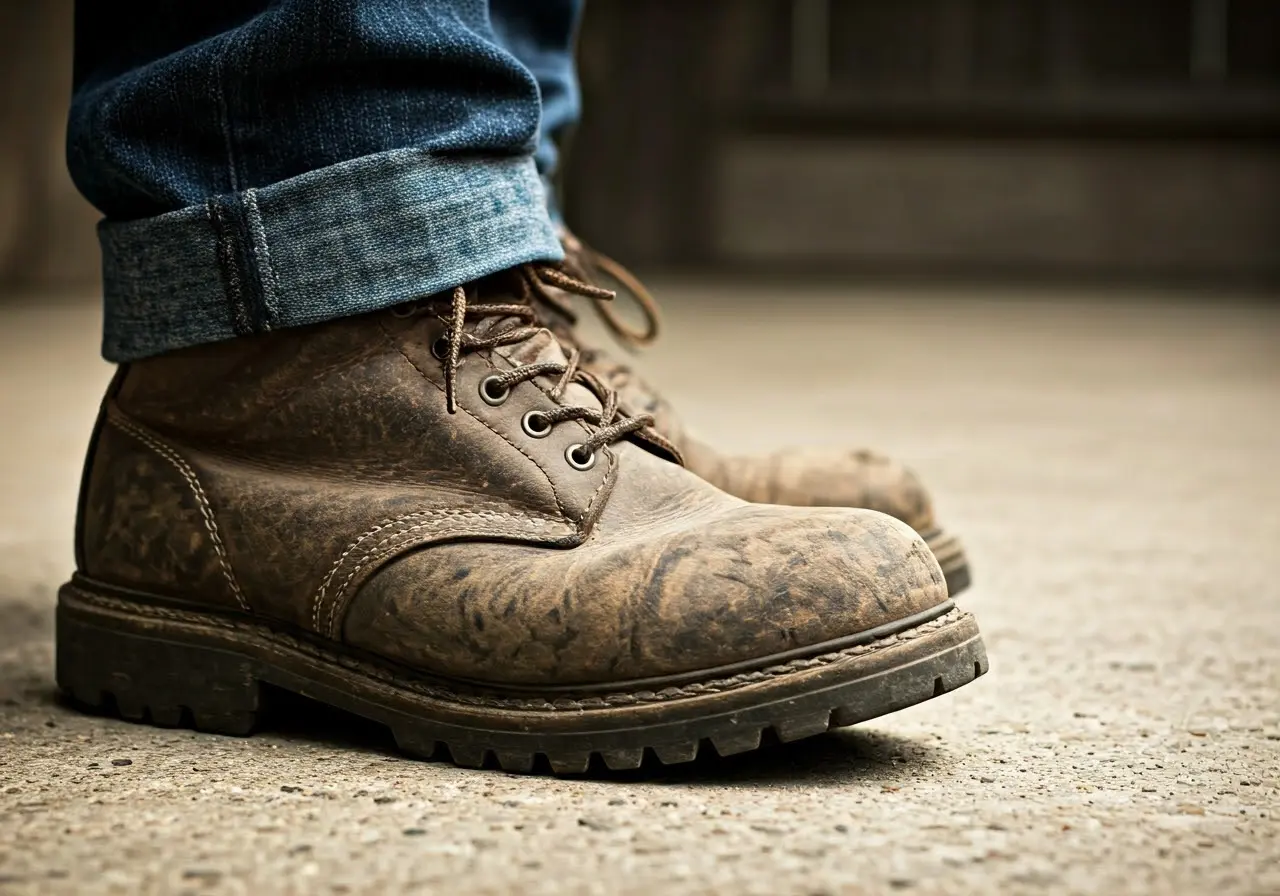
column 273, row 163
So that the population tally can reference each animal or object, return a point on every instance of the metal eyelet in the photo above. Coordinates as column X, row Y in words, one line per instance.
column 536, row 425
column 440, row 348
column 571, row 455
column 493, row 391
column 407, row 309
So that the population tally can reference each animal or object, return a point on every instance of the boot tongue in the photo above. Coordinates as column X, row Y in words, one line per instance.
column 540, row 348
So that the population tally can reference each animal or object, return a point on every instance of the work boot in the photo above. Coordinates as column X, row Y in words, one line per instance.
column 802, row 477
column 433, row 518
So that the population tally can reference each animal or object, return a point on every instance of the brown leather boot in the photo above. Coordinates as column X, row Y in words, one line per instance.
column 432, row 518
column 802, row 477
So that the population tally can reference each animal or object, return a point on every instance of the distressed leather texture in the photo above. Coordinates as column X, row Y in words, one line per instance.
column 675, row 576
column 314, row 478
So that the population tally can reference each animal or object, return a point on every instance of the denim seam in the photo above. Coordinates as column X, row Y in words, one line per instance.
column 258, row 245
column 224, row 116
column 232, row 282
column 244, row 261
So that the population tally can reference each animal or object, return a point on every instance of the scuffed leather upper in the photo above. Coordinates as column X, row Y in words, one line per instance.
column 314, row 477
column 674, row 577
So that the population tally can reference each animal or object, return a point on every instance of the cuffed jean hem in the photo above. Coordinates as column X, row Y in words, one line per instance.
column 344, row 240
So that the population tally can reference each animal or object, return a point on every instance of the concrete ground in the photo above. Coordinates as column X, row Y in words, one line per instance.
column 1110, row 460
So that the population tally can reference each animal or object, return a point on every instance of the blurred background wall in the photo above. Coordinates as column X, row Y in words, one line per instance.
column 46, row 230
column 1077, row 138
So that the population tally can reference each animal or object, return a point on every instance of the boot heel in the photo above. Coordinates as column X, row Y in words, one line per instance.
column 105, row 662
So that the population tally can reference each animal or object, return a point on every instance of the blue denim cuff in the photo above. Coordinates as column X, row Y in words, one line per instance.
column 344, row 240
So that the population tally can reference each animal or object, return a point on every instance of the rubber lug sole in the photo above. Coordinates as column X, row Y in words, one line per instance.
column 173, row 667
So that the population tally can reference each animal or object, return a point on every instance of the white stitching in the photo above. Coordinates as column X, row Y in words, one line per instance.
column 258, row 242
column 399, row 534
column 205, row 510
column 376, row 550
column 533, row 520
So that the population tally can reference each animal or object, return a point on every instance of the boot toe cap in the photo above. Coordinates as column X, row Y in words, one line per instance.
column 738, row 586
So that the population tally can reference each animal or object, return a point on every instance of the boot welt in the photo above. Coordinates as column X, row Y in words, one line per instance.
column 155, row 661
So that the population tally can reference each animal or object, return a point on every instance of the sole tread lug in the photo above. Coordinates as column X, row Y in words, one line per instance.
column 415, row 744
column 674, row 754
column 623, row 760
column 742, row 741
column 467, row 756
column 844, row 716
column 802, row 726
column 234, row 722
column 515, row 762
column 568, row 763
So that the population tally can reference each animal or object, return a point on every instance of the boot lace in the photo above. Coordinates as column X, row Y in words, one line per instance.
column 587, row 264
column 532, row 281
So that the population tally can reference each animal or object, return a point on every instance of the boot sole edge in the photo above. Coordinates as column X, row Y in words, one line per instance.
column 195, row 671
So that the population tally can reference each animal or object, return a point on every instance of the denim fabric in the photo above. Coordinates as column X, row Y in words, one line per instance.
column 269, row 164
column 541, row 34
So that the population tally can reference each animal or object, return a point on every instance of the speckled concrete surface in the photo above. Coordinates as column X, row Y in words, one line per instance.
column 1110, row 460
